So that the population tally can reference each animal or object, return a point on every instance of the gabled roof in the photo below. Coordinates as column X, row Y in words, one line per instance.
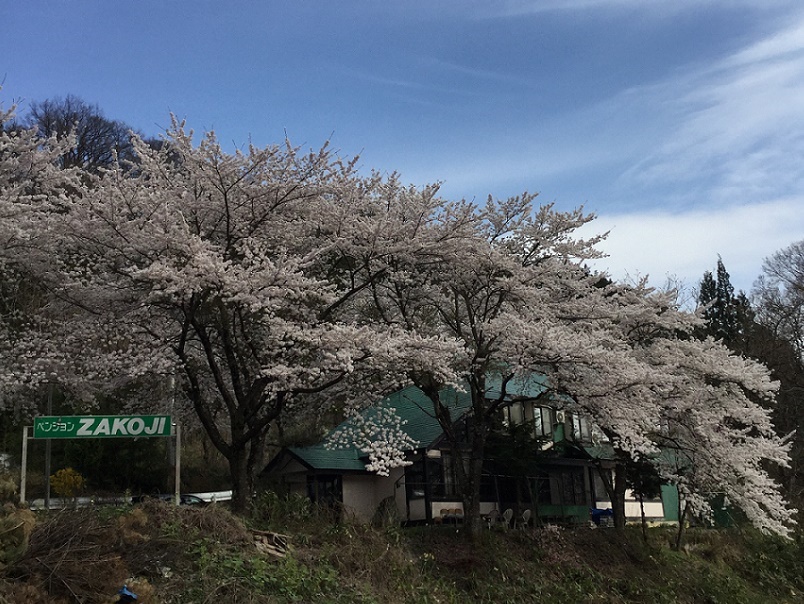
column 416, row 412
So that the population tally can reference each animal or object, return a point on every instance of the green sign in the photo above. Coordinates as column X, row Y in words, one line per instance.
column 101, row 426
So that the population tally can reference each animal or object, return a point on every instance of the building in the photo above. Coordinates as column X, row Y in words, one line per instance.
column 541, row 459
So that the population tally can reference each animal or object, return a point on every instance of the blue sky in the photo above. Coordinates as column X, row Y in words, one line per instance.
column 679, row 123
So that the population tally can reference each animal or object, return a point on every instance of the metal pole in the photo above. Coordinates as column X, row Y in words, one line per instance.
column 47, row 447
column 172, row 386
column 177, row 494
column 24, row 469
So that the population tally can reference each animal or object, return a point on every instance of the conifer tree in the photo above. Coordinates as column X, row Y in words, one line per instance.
column 721, row 306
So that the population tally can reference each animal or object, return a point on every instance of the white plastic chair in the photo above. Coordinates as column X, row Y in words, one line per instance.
column 507, row 517
column 492, row 518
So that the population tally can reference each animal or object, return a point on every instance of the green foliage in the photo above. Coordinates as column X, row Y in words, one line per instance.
column 233, row 573
column 643, row 478
column 15, row 530
column 117, row 464
column 774, row 561
column 280, row 511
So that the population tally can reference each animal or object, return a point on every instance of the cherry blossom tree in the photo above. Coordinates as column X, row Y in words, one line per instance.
column 520, row 301
column 497, row 294
column 31, row 188
column 227, row 269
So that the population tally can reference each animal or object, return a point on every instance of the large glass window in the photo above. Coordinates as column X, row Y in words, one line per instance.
column 540, row 418
column 442, row 474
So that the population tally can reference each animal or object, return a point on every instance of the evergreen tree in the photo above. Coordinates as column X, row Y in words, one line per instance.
column 724, row 312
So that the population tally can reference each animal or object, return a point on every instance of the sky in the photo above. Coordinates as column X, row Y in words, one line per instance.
column 679, row 123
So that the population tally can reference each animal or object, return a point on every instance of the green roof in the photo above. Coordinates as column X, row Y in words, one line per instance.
column 532, row 386
column 416, row 412
column 600, row 451
column 319, row 457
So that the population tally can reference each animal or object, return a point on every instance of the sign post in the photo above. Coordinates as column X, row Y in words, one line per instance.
column 24, row 462
column 100, row 426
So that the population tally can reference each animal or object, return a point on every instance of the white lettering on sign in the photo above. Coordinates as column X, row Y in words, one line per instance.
column 86, row 424
column 156, row 426
column 135, row 426
column 104, row 426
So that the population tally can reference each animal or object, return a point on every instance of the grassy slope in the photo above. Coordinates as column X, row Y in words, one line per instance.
column 207, row 555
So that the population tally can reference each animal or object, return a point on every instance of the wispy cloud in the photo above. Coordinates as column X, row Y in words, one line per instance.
column 732, row 127
column 421, row 88
column 474, row 72
column 514, row 8
column 789, row 41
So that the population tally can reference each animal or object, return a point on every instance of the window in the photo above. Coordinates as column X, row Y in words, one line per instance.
column 540, row 487
column 541, row 418
column 415, row 482
column 515, row 415
column 543, row 422
column 442, row 474
column 568, row 487
column 449, row 473
column 581, row 428
column 325, row 489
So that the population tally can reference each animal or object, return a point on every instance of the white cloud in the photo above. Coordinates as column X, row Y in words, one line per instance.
column 683, row 246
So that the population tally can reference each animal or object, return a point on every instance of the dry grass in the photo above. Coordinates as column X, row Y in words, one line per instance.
column 172, row 555
column 85, row 556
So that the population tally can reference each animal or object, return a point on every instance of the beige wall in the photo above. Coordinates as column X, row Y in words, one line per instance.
column 653, row 508
column 362, row 494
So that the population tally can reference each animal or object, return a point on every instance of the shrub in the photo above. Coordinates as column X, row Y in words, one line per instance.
column 67, row 482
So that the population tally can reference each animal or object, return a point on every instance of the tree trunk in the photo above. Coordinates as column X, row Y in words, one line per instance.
column 615, row 490
column 618, row 499
column 644, row 519
column 468, row 473
column 682, row 518
column 242, row 481
column 471, row 497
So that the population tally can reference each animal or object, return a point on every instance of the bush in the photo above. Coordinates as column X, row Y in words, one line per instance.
column 67, row 482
